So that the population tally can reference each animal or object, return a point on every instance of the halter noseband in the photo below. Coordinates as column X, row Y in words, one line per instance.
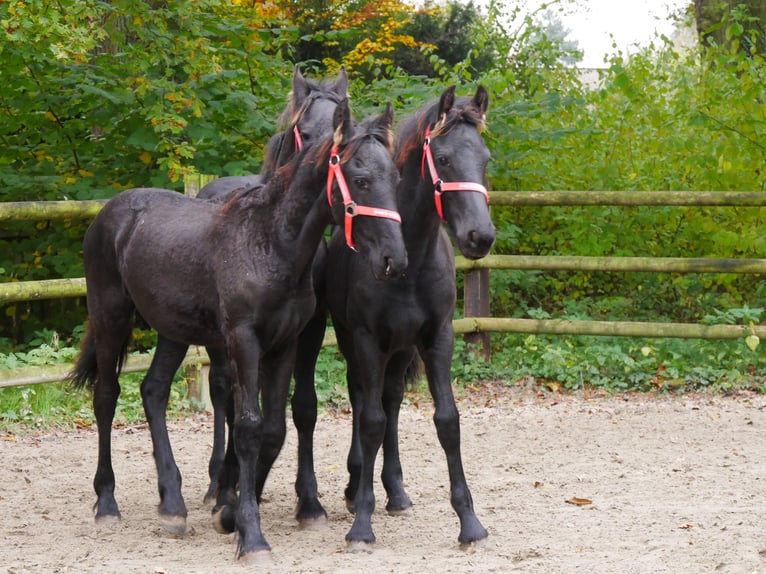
column 351, row 208
column 441, row 186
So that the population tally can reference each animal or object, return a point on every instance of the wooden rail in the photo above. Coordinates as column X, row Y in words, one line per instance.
column 477, row 323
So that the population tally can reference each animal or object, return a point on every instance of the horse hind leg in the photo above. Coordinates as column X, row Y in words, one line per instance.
column 220, row 389
column 309, row 511
column 155, row 392
column 399, row 502
column 109, row 332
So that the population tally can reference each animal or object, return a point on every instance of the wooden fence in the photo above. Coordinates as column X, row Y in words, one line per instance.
column 477, row 323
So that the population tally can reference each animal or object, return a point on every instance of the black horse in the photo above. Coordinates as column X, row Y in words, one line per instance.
column 236, row 278
column 381, row 326
column 306, row 120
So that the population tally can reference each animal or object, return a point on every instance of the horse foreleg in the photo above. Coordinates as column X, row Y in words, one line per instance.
column 309, row 510
column 155, row 392
column 353, row 380
column 246, row 354
column 437, row 360
column 366, row 361
column 391, row 473
column 219, row 392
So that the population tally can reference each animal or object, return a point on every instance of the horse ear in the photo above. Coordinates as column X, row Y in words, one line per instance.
column 446, row 101
column 481, row 100
column 340, row 86
column 341, row 122
column 386, row 119
column 301, row 88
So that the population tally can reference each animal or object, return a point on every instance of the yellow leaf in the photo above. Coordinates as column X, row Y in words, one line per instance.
column 752, row 342
column 145, row 157
column 579, row 501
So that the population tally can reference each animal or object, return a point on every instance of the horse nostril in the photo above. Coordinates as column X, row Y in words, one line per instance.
column 389, row 267
column 473, row 237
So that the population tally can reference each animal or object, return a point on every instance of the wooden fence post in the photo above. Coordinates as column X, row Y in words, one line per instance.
column 476, row 304
column 197, row 374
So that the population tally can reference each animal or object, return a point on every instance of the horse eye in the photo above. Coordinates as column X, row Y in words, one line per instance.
column 305, row 136
column 360, row 183
column 443, row 160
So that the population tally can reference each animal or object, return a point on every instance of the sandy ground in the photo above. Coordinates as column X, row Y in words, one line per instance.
column 676, row 485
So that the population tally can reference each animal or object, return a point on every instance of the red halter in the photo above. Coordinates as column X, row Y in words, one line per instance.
column 351, row 208
column 298, row 139
column 442, row 186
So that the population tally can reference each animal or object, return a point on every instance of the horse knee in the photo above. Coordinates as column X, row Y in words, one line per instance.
column 447, row 423
column 273, row 439
column 373, row 426
column 248, row 431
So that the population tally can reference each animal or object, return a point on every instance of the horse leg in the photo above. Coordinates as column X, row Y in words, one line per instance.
column 437, row 360
column 371, row 429
column 309, row 510
column 246, row 354
column 224, row 519
column 111, row 320
column 155, row 392
column 353, row 380
column 275, row 376
column 391, row 474
column 219, row 392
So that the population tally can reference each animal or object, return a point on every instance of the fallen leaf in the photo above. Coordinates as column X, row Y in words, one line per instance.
column 686, row 526
column 579, row 501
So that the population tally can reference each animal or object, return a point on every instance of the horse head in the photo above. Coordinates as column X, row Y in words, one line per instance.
column 307, row 118
column 361, row 189
column 454, row 159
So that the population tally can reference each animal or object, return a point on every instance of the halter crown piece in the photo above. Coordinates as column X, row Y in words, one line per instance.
column 441, row 186
column 351, row 207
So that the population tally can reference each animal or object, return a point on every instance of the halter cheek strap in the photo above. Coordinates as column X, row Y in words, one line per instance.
column 441, row 186
column 352, row 209
column 298, row 139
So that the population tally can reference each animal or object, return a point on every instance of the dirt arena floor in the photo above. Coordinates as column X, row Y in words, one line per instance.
column 563, row 482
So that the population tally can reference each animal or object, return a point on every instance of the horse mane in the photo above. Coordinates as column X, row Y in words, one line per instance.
column 411, row 134
column 265, row 193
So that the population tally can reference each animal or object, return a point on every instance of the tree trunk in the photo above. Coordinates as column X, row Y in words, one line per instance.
column 710, row 14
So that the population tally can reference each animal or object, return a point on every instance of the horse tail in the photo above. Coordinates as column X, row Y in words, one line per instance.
column 414, row 371
column 85, row 371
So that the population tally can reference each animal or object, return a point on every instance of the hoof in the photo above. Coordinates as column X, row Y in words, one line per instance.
column 173, row 524
column 257, row 558
column 223, row 520
column 107, row 520
column 318, row 523
column 474, row 545
column 399, row 510
column 209, row 499
column 359, row 547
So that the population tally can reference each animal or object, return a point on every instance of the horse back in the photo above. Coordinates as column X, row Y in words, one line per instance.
column 157, row 246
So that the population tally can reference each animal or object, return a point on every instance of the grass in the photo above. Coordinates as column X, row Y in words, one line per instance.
column 613, row 364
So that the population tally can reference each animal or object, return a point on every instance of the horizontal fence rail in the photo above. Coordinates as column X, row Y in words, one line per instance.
column 587, row 263
column 476, row 322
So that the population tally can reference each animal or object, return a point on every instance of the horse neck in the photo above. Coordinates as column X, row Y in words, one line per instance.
column 302, row 213
column 286, row 217
column 420, row 222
